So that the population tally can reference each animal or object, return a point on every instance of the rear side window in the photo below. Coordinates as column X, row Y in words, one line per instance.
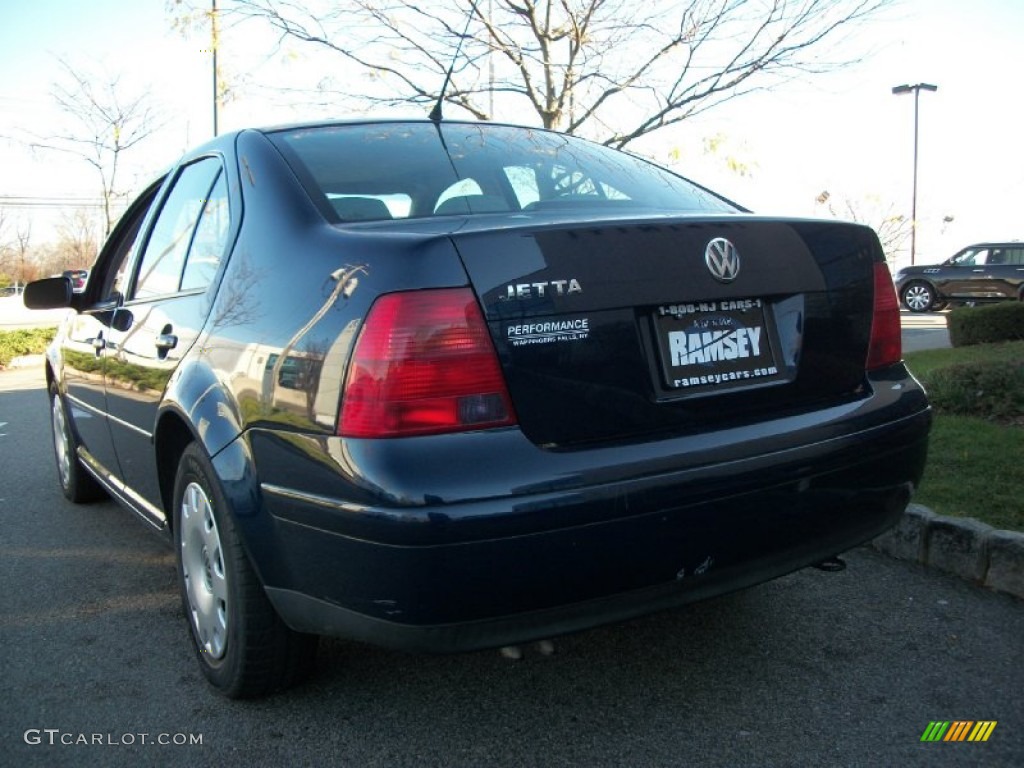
column 1007, row 256
column 410, row 170
column 210, row 239
column 188, row 237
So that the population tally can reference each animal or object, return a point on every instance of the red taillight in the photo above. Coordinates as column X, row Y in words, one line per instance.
column 886, row 346
column 424, row 364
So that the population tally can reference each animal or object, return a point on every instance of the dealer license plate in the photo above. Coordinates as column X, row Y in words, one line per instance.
column 715, row 345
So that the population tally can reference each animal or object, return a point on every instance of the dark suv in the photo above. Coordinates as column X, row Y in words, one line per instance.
column 979, row 273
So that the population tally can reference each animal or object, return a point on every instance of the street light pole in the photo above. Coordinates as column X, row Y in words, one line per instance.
column 214, row 45
column 916, row 90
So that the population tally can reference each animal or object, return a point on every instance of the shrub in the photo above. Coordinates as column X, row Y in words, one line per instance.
column 989, row 390
column 986, row 325
column 24, row 342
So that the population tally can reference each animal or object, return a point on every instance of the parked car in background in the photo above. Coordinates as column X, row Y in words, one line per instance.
column 980, row 273
column 77, row 278
column 449, row 386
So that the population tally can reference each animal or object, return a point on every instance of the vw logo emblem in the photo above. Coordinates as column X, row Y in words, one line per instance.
column 723, row 260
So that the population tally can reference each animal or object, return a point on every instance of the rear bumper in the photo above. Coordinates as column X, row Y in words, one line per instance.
column 577, row 560
column 440, row 576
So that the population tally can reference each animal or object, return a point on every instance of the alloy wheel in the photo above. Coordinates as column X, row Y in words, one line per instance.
column 918, row 297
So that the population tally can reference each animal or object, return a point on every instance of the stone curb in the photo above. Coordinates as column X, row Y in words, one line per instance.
column 958, row 545
column 26, row 361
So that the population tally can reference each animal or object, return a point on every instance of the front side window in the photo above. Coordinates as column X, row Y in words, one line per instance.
column 972, row 257
column 163, row 261
column 118, row 267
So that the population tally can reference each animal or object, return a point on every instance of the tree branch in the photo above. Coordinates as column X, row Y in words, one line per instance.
column 613, row 69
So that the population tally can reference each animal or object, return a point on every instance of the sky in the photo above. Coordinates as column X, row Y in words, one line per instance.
column 843, row 133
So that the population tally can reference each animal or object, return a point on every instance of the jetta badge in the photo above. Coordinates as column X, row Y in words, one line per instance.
column 723, row 260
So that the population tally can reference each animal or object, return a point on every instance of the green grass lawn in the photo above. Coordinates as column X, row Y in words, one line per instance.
column 924, row 362
column 975, row 467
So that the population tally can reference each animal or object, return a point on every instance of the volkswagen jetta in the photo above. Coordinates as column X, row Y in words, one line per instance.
column 447, row 386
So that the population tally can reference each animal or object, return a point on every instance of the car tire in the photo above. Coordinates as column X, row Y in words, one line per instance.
column 241, row 644
column 76, row 483
column 918, row 297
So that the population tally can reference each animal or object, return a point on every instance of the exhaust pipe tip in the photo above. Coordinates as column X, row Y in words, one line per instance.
column 833, row 564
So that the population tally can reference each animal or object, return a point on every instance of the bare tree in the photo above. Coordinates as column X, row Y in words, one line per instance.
column 6, row 253
column 48, row 259
column 893, row 229
column 733, row 155
column 25, row 271
column 77, row 243
column 611, row 69
column 106, row 123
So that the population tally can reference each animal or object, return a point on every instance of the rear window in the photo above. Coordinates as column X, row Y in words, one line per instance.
column 388, row 171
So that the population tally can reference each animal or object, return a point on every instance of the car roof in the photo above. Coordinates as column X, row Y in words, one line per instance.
column 391, row 120
column 224, row 140
column 1000, row 243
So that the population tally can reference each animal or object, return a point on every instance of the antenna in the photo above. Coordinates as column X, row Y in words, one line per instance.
column 435, row 113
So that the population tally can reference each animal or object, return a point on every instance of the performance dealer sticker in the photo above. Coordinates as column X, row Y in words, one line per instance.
column 549, row 332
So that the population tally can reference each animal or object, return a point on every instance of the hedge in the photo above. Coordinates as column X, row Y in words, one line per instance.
column 24, row 342
column 986, row 325
column 991, row 390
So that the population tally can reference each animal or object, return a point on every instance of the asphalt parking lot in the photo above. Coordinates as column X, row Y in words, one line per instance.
column 813, row 669
column 923, row 331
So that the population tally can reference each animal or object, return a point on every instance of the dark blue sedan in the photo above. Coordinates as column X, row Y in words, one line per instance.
column 447, row 386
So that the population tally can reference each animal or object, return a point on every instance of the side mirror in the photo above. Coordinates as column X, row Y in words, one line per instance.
column 48, row 293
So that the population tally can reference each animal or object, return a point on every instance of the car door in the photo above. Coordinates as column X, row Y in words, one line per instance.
column 1007, row 271
column 162, row 316
column 85, row 346
column 966, row 275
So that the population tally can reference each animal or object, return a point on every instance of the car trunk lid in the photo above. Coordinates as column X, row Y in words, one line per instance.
column 613, row 330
